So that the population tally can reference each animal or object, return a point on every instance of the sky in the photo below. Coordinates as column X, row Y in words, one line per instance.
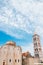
column 19, row 19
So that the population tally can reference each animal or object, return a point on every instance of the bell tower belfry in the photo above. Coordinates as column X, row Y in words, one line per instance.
column 37, row 46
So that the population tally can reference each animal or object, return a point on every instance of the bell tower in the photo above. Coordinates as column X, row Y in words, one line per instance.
column 37, row 46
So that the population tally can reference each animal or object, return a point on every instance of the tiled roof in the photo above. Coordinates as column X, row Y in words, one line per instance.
column 26, row 54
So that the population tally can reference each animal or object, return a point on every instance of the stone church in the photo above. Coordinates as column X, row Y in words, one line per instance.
column 10, row 54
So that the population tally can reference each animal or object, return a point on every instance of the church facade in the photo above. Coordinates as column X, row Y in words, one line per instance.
column 10, row 54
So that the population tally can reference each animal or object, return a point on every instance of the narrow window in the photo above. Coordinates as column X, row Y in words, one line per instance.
column 15, row 60
column 3, row 63
column 10, row 60
column 18, row 60
column 34, row 39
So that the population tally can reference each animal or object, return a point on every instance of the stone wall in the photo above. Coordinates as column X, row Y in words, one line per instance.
column 30, row 61
column 10, row 55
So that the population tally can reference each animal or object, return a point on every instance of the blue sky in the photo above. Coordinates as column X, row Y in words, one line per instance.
column 19, row 19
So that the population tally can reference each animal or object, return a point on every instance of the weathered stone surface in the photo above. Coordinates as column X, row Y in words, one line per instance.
column 10, row 54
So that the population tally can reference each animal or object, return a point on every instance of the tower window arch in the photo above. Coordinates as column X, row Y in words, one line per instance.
column 37, row 55
column 35, row 44
column 34, row 39
column 36, row 49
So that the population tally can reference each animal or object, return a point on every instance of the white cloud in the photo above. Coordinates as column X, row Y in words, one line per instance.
column 31, row 9
column 27, row 17
column 28, row 7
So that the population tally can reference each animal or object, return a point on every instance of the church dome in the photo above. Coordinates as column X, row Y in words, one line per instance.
column 11, row 43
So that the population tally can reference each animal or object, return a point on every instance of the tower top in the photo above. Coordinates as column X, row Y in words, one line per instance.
column 35, row 34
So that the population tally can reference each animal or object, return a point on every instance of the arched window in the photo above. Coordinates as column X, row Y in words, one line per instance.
column 15, row 60
column 37, row 55
column 18, row 60
column 36, row 49
column 34, row 39
column 10, row 60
